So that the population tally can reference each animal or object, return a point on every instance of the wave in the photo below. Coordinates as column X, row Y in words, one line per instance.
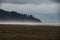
column 30, row 23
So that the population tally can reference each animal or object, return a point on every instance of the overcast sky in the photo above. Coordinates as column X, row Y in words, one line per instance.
column 30, row 1
column 41, row 6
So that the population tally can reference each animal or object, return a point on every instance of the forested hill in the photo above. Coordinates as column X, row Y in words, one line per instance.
column 14, row 16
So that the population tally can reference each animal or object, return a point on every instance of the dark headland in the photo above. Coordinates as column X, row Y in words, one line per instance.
column 14, row 16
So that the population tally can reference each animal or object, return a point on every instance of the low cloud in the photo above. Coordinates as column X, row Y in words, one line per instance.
column 57, row 1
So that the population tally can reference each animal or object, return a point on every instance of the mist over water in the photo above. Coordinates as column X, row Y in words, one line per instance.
column 47, row 18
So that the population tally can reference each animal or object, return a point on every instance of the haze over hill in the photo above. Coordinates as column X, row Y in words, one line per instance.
column 14, row 16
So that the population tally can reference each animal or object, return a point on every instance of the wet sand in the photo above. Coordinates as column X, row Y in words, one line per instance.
column 29, row 32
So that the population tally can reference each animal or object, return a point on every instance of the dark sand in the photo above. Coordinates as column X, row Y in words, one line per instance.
column 29, row 32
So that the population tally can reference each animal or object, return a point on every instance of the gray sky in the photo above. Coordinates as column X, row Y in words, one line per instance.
column 30, row 1
column 40, row 6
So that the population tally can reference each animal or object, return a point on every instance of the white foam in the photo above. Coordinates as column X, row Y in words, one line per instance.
column 30, row 23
